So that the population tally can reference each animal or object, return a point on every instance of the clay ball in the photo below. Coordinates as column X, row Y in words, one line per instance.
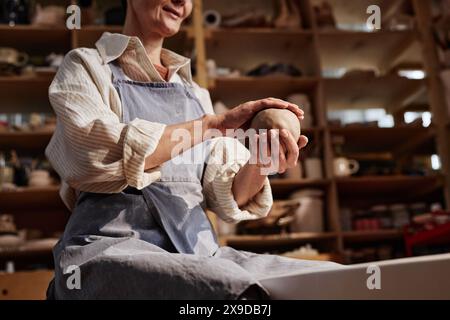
column 277, row 119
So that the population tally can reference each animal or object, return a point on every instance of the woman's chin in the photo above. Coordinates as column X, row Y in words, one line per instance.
column 170, row 29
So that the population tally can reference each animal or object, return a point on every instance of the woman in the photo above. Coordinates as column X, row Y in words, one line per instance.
column 138, row 227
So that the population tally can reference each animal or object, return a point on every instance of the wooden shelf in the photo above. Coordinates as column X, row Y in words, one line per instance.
column 29, row 141
column 12, row 89
column 390, row 92
column 283, row 187
column 29, row 249
column 372, row 235
column 31, row 198
column 396, row 140
column 275, row 240
column 388, row 188
column 366, row 49
column 233, row 91
column 35, row 39
column 251, row 32
column 296, row 48
column 354, row 12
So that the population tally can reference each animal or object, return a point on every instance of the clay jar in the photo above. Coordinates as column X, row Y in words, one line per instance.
column 277, row 119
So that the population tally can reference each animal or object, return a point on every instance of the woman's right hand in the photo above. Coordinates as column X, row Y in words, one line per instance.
column 241, row 116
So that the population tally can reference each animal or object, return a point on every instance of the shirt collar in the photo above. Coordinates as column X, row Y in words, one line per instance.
column 112, row 45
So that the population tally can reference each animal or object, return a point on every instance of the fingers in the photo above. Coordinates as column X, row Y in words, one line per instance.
column 263, row 150
column 291, row 146
column 277, row 150
column 302, row 142
column 262, row 104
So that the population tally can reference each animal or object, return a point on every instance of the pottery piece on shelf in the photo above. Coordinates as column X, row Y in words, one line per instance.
column 51, row 16
column 289, row 15
column 309, row 215
column 324, row 15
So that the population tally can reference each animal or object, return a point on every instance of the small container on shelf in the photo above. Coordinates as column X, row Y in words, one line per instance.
column 346, row 219
column 400, row 215
column 384, row 215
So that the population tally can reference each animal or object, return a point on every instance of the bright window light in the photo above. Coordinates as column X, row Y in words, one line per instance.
column 426, row 118
column 355, row 27
column 435, row 162
column 411, row 116
column 412, row 74
column 386, row 122
column 362, row 116
column 334, row 73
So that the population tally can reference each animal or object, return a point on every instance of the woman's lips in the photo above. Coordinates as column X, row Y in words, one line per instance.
column 174, row 13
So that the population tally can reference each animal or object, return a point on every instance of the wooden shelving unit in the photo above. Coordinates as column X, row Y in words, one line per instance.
column 387, row 92
column 315, row 51
column 312, row 50
column 29, row 140
column 372, row 236
column 31, row 197
column 264, row 243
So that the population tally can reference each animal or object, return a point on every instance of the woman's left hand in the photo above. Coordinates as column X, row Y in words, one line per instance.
column 251, row 178
column 288, row 150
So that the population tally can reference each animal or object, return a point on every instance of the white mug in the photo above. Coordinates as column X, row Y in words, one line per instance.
column 344, row 167
column 313, row 168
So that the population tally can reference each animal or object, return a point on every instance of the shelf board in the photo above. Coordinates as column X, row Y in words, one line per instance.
column 275, row 240
column 29, row 249
column 396, row 140
column 388, row 188
column 211, row 33
column 35, row 39
column 245, row 49
column 372, row 235
column 283, row 187
column 233, row 91
column 12, row 89
column 366, row 49
column 36, row 141
column 390, row 92
column 354, row 12
column 30, row 198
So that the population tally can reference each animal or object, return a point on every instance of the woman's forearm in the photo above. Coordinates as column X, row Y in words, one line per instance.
column 247, row 183
column 167, row 144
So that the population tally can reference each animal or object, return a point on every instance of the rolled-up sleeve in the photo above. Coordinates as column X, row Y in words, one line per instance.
column 91, row 149
column 227, row 157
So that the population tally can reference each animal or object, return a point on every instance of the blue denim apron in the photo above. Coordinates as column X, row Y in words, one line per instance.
column 156, row 243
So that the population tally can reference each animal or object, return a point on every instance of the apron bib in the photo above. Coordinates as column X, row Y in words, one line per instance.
column 175, row 201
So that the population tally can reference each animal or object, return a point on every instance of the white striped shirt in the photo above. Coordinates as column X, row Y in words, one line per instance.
column 93, row 150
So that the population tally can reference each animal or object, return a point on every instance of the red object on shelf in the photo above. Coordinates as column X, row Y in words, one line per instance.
column 415, row 235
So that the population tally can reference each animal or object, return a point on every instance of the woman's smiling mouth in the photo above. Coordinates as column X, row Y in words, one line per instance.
column 172, row 12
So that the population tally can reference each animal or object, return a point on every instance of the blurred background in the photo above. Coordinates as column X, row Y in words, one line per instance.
column 373, row 183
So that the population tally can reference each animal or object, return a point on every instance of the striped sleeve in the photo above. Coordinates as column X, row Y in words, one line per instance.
column 228, row 156
column 91, row 149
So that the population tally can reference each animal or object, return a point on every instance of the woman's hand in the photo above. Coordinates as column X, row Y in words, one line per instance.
column 241, row 116
column 276, row 140
column 250, row 179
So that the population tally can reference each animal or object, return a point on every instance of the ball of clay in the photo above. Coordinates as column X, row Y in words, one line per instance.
column 277, row 119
